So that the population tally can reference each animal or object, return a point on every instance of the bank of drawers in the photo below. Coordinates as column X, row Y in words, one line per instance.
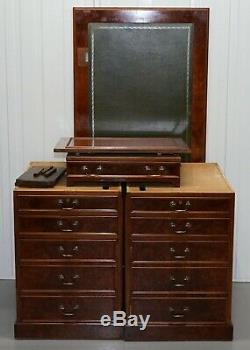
column 68, row 255
column 179, row 257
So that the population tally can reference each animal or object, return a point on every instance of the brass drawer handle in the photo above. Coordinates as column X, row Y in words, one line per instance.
column 186, row 279
column 67, row 228
column 148, row 168
column 61, row 250
column 180, row 206
column 164, row 169
column 69, row 313
column 85, row 169
column 99, row 168
column 61, row 278
column 68, row 203
column 184, row 256
column 178, row 314
column 188, row 225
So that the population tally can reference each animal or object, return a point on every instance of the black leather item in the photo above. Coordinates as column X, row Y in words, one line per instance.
column 37, row 176
column 140, row 79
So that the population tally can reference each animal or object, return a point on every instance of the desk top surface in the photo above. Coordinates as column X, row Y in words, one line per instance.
column 195, row 178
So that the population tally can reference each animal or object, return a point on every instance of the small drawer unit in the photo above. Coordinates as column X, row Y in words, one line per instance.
column 82, row 168
column 68, row 260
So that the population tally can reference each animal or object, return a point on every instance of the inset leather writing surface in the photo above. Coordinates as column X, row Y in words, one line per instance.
column 140, row 79
column 198, row 17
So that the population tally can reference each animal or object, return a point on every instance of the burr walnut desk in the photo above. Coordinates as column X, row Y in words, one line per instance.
column 157, row 239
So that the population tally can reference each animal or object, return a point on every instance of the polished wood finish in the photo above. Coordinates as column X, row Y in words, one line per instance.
column 198, row 17
column 61, row 278
column 72, row 224
column 176, row 228
column 69, row 255
column 76, row 249
column 152, row 252
column 66, row 309
column 65, row 330
column 178, row 279
column 182, row 204
column 179, row 257
column 189, row 331
column 181, row 310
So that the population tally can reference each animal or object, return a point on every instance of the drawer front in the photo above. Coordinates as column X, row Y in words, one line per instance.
column 181, row 309
column 179, row 227
column 69, row 250
column 67, row 203
column 66, row 278
column 179, row 279
column 170, row 252
column 65, row 309
column 180, row 204
column 122, row 168
column 86, row 224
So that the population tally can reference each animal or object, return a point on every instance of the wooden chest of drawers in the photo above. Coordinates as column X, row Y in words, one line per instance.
column 68, row 261
column 179, row 257
column 175, row 264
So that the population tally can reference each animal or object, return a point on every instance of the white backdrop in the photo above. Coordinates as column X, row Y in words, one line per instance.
column 36, row 98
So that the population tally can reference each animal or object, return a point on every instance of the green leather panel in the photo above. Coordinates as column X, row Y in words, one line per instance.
column 140, row 79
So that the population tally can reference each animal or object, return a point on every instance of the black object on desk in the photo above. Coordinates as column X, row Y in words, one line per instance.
column 38, row 176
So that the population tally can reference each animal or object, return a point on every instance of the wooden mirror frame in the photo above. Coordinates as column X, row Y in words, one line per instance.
column 82, row 16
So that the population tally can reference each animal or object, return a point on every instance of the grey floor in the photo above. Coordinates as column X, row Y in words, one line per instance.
column 241, row 320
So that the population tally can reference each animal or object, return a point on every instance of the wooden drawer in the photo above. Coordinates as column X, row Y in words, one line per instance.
column 123, row 168
column 178, row 227
column 66, row 203
column 68, row 250
column 119, row 168
column 148, row 279
column 64, row 309
column 171, row 252
column 181, row 309
column 86, row 224
column 65, row 278
column 179, row 204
